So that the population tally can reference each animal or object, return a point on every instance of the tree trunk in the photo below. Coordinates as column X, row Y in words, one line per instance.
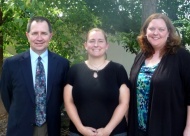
column 1, row 41
column 148, row 8
column 2, row 109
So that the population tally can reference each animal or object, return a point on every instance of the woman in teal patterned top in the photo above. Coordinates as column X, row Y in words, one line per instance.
column 160, row 82
column 143, row 90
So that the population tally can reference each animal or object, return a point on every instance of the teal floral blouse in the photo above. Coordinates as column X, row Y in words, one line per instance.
column 143, row 90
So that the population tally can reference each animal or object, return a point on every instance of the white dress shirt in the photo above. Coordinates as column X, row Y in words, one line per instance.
column 34, row 59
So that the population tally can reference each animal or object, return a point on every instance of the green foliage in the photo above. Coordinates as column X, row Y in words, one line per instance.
column 178, row 11
column 184, row 28
column 170, row 8
column 127, row 40
column 117, row 16
column 70, row 20
column 122, row 18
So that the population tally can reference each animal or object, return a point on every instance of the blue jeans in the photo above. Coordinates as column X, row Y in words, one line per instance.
column 121, row 134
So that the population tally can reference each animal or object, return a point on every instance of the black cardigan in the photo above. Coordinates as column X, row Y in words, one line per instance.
column 169, row 95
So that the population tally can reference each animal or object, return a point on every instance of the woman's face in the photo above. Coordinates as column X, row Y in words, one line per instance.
column 96, row 44
column 157, row 33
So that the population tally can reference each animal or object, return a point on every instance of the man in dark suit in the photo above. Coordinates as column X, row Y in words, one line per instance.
column 20, row 85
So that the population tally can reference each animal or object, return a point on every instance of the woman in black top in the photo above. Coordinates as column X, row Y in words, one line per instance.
column 97, row 95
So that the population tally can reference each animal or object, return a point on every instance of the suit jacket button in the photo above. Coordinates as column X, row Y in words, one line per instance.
column 32, row 124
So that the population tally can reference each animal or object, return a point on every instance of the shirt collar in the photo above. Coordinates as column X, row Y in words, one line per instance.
column 34, row 56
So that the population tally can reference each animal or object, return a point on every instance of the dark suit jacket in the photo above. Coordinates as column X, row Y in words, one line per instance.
column 17, row 92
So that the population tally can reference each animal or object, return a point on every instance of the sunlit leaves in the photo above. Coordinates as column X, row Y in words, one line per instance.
column 184, row 28
column 70, row 19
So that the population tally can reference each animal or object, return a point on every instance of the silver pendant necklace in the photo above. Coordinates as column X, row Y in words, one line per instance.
column 95, row 74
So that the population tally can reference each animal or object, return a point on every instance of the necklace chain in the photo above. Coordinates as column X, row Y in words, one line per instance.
column 97, row 68
column 95, row 74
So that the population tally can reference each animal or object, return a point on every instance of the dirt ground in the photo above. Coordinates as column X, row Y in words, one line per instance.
column 2, row 109
column 4, row 117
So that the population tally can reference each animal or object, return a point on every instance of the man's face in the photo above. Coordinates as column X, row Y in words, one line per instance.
column 39, row 36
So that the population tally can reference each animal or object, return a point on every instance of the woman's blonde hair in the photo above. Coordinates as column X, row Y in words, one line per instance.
column 96, row 29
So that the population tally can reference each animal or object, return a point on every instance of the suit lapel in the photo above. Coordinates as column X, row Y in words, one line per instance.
column 52, row 64
column 27, row 72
